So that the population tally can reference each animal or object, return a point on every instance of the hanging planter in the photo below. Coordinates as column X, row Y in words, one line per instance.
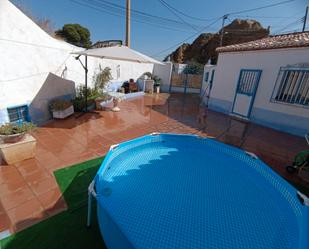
column 61, row 109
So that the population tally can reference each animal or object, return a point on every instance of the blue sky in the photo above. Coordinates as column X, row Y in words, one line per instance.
column 157, row 35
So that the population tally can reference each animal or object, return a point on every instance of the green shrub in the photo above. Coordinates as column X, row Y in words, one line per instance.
column 194, row 68
column 75, row 34
column 79, row 101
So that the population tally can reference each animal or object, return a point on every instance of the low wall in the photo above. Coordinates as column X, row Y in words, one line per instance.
column 164, row 72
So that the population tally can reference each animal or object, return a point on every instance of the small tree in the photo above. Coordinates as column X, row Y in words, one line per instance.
column 102, row 78
column 194, row 68
column 75, row 34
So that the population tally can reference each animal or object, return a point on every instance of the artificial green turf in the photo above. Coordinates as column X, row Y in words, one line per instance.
column 66, row 230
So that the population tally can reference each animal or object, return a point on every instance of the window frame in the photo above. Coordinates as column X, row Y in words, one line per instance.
column 20, row 117
column 257, row 73
column 281, row 76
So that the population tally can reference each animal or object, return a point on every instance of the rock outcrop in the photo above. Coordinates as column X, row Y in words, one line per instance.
column 204, row 46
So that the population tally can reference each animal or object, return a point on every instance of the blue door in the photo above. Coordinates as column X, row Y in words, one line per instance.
column 245, row 92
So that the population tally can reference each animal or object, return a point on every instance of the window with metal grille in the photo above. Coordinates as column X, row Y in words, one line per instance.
column 18, row 114
column 292, row 86
column 247, row 81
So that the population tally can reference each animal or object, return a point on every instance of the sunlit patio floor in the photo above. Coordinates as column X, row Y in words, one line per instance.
column 29, row 192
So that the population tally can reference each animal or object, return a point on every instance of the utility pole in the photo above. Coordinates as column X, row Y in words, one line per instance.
column 222, row 29
column 305, row 19
column 128, row 24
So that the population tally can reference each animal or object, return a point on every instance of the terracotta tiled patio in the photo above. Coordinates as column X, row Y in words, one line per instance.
column 29, row 192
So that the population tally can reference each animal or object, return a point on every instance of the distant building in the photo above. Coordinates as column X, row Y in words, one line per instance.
column 265, row 81
column 108, row 43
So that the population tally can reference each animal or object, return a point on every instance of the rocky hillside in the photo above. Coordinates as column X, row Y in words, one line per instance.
column 204, row 47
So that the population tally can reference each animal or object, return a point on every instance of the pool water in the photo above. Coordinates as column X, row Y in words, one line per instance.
column 182, row 191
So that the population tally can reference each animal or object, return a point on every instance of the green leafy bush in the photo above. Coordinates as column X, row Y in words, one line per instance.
column 79, row 101
column 194, row 68
column 11, row 129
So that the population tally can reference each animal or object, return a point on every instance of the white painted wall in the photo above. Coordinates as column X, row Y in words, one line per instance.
column 205, row 85
column 28, row 55
column 165, row 73
column 178, row 68
column 269, row 61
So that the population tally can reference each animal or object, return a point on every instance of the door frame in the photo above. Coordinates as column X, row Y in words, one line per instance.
column 259, row 71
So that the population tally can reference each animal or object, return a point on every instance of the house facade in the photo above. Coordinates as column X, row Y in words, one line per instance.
column 265, row 81
column 37, row 68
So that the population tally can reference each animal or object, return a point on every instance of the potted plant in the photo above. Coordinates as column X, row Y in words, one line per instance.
column 61, row 108
column 79, row 101
column 157, row 83
column 16, row 144
column 12, row 133
column 100, row 82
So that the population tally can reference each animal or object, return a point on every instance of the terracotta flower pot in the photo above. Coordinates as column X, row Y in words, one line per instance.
column 12, row 138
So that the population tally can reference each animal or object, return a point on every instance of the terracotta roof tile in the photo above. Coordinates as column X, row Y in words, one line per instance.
column 292, row 40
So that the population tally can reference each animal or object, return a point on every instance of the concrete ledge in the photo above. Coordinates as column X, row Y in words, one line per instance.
column 16, row 152
column 220, row 105
column 281, row 121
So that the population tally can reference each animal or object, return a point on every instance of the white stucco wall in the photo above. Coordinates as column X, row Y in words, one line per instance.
column 164, row 72
column 29, row 54
column 269, row 61
column 178, row 67
column 205, row 84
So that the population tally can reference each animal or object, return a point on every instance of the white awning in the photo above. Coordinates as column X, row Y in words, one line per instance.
column 118, row 53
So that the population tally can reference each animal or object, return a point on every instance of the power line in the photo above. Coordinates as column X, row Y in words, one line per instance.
column 305, row 19
column 300, row 20
column 175, row 13
column 188, row 38
column 266, row 17
column 138, row 14
column 262, row 7
column 184, row 14
column 224, row 17
column 102, row 10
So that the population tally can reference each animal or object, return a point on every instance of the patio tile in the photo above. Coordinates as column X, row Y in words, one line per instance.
column 52, row 201
column 43, row 186
column 9, row 173
column 26, row 214
column 10, row 187
column 48, row 160
column 29, row 192
column 5, row 223
column 16, row 198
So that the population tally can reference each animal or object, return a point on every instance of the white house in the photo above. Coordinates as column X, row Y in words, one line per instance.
column 36, row 68
column 265, row 81
column 207, row 83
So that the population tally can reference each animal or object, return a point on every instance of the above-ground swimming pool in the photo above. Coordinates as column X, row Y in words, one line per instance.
column 183, row 191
